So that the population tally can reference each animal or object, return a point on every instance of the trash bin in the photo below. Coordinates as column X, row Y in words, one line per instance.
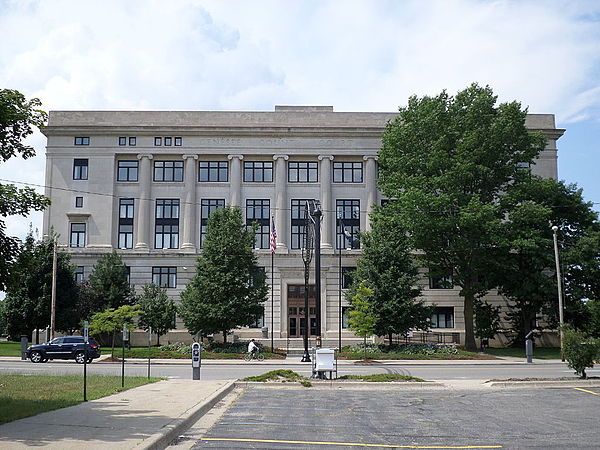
column 265, row 332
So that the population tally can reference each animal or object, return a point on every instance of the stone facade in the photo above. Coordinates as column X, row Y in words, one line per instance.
column 92, row 157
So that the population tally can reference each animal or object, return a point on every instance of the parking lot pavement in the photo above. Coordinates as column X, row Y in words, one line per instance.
column 543, row 418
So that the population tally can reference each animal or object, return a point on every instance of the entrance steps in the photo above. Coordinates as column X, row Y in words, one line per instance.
column 295, row 346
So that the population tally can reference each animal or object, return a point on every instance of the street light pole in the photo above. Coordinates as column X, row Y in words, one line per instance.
column 340, row 298
column 560, row 294
column 53, row 301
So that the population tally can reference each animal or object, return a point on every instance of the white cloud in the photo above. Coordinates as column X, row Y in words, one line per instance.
column 355, row 55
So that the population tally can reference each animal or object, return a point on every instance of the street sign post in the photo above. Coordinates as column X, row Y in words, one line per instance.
column 196, row 360
column 86, row 338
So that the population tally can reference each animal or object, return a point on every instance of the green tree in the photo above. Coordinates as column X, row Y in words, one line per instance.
column 112, row 320
column 108, row 281
column 446, row 160
column 580, row 350
column 228, row 289
column 2, row 318
column 157, row 310
column 18, row 118
column 487, row 320
column 363, row 319
column 387, row 266
column 592, row 308
column 29, row 291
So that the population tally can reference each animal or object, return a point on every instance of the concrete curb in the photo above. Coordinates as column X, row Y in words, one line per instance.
column 333, row 384
column 544, row 383
column 168, row 433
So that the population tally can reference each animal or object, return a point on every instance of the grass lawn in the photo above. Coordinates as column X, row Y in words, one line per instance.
column 538, row 352
column 27, row 395
column 10, row 348
column 382, row 377
column 155, row 352
column 438, row 356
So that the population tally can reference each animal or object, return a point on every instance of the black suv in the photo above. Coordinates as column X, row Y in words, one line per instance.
column 67, row 347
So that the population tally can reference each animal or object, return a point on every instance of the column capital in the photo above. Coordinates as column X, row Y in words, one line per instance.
column 189, row 156
column 145, row 155
column 373, row 157
column 240, row 157
column 285, row 157
column 322, row 157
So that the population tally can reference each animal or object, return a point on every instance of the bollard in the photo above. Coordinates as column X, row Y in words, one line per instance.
column 24, row 340
column 529, row 347
column 196, row 361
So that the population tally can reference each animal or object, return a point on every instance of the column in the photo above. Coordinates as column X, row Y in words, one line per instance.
column 328, row 220
column 371, row 186
column 281, row 212
column 188, row 223
column 235, row 180
column 144, row 216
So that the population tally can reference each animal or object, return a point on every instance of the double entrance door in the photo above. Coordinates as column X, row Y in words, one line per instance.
column 296, row 314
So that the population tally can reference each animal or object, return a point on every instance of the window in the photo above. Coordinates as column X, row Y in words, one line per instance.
column 123, row 140
column 260, row 322
column 345, row 317
column 207, row 206
column 132, row 141
column 302, row 172
column 443, row 317
column 298, row 223
column 126, row 223
column 164, row 276
column 79, row 274
column 347, row 172
column 440, row 280
column 166, row 225
column 77, row 235
column 177, row 142
column 127, row 270
column 213, row 171
column 258, row 171
column 78, row 202
column 127, row 171
column 347, row 276
column 82, row 141
column 168, row 171
column 157, row 141
column 80, row 169
column 168, row 141
column 347, row 223
column 257, row 211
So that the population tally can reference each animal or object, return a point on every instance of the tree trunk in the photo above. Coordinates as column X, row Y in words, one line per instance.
column 112, row 352
column 470, row 344
column 365, row 347
column 390, row 338
column 224, row 337
column 157, row 340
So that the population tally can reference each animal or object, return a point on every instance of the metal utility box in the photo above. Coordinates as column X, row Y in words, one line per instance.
column 324, row 360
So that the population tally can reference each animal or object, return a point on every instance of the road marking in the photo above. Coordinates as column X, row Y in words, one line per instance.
column 353, row 444
column 585, row 390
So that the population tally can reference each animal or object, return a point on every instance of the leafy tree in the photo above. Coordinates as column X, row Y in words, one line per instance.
column 29, row 291
column 487, row 320
column 89, row 302
column 18, row 117
column 112, row 320
column 228, row 289
column 363, row 319
column 157, row 310
column 580, row 350
column 526, row 278
column 2, row 318
column 446, row 160
column 592, row 308
column 388, row 269
column 108, row 281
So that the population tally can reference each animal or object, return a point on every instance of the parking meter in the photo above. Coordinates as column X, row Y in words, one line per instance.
column 196, row 361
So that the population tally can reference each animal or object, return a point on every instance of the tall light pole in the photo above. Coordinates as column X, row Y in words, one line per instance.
column 560, row 296
column 53, row 304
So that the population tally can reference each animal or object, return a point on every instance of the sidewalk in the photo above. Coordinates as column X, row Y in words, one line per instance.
column 146, row 417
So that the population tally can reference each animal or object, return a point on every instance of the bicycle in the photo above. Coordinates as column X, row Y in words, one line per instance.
column 257, row 356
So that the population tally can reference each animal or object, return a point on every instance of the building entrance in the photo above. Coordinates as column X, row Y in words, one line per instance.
column 296, row 315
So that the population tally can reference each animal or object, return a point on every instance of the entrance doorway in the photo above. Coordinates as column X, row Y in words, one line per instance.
column 296, row 315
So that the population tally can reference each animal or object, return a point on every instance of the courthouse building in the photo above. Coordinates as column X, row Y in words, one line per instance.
column 144, row 183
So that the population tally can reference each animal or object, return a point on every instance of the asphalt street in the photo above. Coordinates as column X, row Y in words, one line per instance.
column 235, row 370
column 537, row 418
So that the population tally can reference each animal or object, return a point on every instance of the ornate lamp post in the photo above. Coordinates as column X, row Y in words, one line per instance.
column 306, row 258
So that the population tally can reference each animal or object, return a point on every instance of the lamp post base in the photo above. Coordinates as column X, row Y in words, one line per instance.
column 305, row 357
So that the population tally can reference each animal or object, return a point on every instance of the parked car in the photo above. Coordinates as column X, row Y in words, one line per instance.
column 66, row 347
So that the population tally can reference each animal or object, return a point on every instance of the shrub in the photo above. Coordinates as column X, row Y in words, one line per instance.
column 580, row 350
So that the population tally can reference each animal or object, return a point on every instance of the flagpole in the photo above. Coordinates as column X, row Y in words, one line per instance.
column 272, row 300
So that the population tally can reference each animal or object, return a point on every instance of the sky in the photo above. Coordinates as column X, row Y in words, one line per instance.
column 369, row 55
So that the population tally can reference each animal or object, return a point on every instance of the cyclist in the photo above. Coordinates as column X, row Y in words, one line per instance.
column 252, row 348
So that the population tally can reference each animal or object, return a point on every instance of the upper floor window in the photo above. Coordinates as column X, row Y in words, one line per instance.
column 127, row 171
column 78, row 202
column 77, row 235
column 166, row 223
column 167, row 141
column 213, row 171
column 257, row 211
column 302, row 172
column 126, row 222
column 298, row 223
column 132, row 141
column 347, row 223
column 347, row 276
column 168, row 171
column 258, row 171
column 80, row 169
column 165, row 276
column 207, row 206
column 347, row 172
column 79, row 274
column 157, row 141
column 177, row 141
column 443, row 317
column 82, row 140
column 440, row 280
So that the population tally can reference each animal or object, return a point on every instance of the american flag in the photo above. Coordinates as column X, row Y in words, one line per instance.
column 273, row 243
